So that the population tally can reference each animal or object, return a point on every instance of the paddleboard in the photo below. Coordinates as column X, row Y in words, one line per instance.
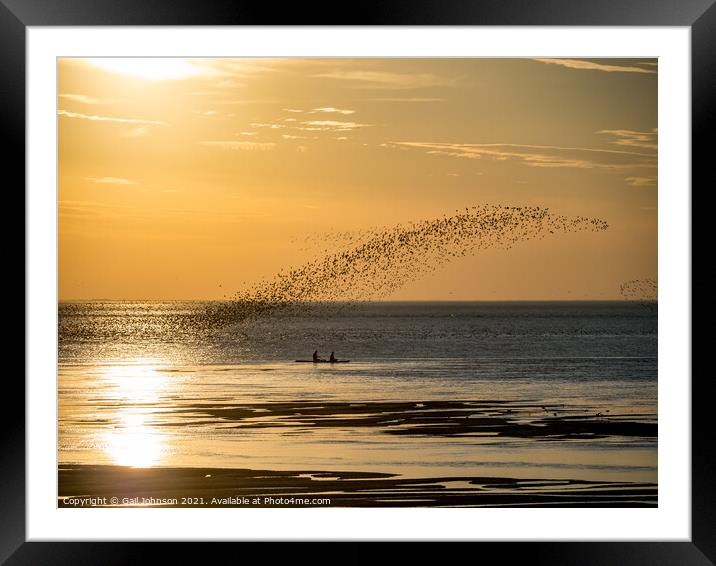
column 321, row 362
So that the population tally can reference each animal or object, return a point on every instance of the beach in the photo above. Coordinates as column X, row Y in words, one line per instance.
column 113, row 486
column 442, row 404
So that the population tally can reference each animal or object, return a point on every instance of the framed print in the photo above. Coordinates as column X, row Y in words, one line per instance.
column 422, row 278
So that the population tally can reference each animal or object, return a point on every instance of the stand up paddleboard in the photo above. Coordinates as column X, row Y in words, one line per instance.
column 321, row 361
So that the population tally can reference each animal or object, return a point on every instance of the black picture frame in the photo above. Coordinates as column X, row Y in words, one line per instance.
column 699, row 15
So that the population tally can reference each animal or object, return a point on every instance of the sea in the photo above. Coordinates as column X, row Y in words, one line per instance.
column 135, row 379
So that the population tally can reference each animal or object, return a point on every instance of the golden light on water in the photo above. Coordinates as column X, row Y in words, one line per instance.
column 135, row 439
column 135, row 443
column 136, row 382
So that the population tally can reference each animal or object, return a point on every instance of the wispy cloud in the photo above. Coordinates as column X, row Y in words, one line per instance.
column 111, row 181
column 387, row 80
column 137, row 132
column 295, row 110
column 84, row 99
column 331, row 110
column 311, row 125
column 223, row 71
column 543, row 156
column 154, row 68
column 268, row 125
column 588, row 65
column 240, row 68
column 641, row 181
column 95, row 118
column 334, row 125
column 107, row 212
column 241, row 145
column 631, row 138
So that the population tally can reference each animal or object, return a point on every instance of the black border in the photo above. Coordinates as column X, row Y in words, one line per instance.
column 699, row 15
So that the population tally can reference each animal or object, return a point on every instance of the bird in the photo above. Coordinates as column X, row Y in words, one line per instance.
column 374, row 263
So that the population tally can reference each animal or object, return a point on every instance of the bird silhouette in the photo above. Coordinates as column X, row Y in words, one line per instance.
column 373, row 264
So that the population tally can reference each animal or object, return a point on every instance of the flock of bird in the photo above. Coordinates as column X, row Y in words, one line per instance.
column 640, row 290
column 373, row 264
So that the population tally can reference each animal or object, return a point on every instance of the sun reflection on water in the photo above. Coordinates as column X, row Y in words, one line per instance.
column 137, row 388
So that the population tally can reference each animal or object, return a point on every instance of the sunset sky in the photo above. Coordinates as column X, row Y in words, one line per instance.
column 190, row 179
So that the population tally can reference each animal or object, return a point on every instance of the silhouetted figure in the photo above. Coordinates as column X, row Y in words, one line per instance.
column 333, row 357
column 315, row 356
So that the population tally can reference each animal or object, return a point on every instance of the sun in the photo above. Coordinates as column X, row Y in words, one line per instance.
column 152, row 68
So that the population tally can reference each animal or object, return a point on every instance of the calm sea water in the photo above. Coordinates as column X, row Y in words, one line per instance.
column 131, row 373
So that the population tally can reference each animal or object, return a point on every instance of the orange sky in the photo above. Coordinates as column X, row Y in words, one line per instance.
column 183, row 179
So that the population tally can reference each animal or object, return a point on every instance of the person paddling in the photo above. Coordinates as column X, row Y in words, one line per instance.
column 315, row 356
column 333, row 358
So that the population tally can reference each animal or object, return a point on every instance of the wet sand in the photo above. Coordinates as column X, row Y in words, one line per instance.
column 212, row 487
column 241, row 487
column 521, row 419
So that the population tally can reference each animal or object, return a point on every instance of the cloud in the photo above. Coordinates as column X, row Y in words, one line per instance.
column 631, row 138
column 588, row 65
column 154, row 68
column 239, row 67
column 95, row 118
column 333, row 125
column 331, row 110
column 295, row 110
column 137, row 132
column 267, row 125
column 111, row 181
column 641, row 181
column 245, row 145
column 107, row 212
column 223, row 71
column 84, row 99
column 542, row 156
column 311, row 125
column 383, row 79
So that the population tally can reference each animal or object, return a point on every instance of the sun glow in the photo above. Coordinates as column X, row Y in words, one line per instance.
column 138, row 382
column 154, row 68
column 135, row 440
